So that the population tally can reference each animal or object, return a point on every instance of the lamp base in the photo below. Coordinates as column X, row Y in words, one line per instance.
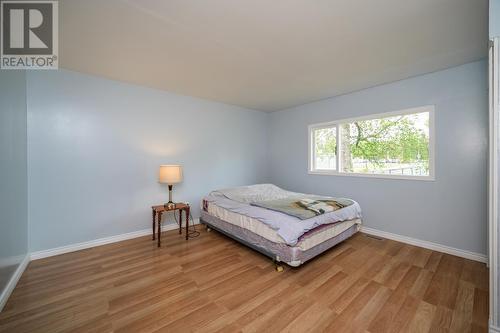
column 169, row 205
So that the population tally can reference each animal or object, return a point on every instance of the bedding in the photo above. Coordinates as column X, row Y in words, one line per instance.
column 255, row 193
column 290, row 228
column 304, row 207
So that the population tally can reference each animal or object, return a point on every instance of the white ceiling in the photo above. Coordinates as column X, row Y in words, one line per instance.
column 269, row 55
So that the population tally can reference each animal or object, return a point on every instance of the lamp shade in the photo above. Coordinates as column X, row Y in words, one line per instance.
column 170, row 174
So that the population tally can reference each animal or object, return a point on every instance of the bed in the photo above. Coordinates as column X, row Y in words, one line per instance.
column 286, row 226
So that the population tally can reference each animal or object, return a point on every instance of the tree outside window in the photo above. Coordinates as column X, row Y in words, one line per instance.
column 392, row 145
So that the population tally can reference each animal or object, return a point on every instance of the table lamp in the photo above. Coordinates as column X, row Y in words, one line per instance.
column 170, row 175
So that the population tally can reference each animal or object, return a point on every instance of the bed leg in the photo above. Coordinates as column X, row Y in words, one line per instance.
column 278, row 266
column 208, row 228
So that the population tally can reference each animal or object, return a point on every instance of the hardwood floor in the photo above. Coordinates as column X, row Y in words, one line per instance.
column 213, row 284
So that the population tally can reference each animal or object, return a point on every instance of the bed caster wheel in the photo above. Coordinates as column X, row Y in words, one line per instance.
column 208, row 229
column 279, row 268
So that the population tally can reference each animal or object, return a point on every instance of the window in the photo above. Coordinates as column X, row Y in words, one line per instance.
column 325, row 146
column 390, row 145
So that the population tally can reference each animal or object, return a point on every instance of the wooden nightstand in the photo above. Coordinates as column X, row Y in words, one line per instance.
column 158, row 212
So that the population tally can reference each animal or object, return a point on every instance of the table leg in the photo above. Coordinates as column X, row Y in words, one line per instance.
column 159, row 229
column 180, row 221
column 187, row 222
column 154, row 219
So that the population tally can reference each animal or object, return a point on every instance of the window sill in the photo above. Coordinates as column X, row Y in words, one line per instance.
column 365, row 175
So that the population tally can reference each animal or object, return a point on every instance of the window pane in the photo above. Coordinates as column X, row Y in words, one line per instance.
column 396, row 145
column 325, row 145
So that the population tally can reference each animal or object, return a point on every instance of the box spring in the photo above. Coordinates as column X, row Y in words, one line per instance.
column 291, row 255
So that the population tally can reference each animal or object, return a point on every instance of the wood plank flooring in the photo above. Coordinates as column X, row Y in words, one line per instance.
column 213, row 284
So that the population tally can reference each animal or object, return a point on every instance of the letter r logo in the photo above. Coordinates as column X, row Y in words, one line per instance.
column 27, row 27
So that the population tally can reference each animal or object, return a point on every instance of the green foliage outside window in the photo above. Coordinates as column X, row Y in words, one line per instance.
column 385, row 145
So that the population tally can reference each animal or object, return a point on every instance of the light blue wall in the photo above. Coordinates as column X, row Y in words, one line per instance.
column 451, row 210
column 13, row 174
column 95, row 146
column 494, row 18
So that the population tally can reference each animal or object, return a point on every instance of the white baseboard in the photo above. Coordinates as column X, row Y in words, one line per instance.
column 4, row 296
column 427, row 245
column 101, row 241
column 113, row 239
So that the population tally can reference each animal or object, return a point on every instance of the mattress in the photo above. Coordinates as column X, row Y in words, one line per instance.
column 308, row 241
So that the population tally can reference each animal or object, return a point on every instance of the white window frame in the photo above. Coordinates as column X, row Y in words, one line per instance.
column 432, row 154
